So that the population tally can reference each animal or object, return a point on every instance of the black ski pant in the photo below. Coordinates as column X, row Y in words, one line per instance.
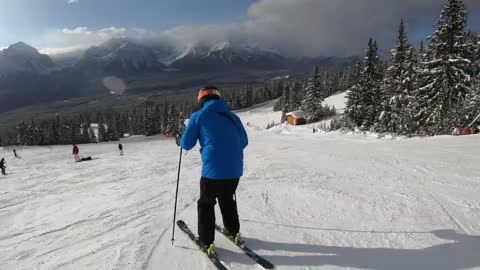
column 210, row 191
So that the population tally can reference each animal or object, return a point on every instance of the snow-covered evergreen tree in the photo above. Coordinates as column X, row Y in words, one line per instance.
column 22, row 133
column 286, row 105
column 364, row 98
column 112, row 133
column 172, row 121
column 472, row 101
column 398, row 88
column 92, row 136
column 472, row 107
column 295, row 96
column 354, row 102
column 446, row 72
column 85, row 133
column 314, row 96
column 148, row 123
column 53, row 135
column 102, row 132
column 370, row 83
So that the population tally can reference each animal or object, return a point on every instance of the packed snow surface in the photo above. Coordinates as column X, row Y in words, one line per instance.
column 337, row 100
column 306, row 201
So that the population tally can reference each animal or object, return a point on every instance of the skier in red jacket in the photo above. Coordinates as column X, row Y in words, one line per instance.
column 75, row 152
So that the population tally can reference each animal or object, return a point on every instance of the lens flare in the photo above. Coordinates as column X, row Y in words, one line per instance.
column 115, row 85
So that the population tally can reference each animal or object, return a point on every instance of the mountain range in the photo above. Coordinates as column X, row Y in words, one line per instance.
column 26, row 74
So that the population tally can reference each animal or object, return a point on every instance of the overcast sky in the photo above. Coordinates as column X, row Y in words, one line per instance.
column 294, row 27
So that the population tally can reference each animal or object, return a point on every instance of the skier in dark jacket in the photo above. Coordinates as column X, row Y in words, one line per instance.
column 222, row 139
column 120, row 147
column 2, row 166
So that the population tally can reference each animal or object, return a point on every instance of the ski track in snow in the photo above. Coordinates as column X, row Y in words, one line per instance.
column 306, row 201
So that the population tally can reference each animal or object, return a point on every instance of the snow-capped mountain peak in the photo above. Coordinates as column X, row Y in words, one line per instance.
column 119, row 56
column 229, row 55
column 21, row 48
column 21, row 57
column 220, row 46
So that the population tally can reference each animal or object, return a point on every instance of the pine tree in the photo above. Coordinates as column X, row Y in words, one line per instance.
column 164, row 118
column 286, row 104
column 281, row 98
column 364, row 99
column 472, row 107
column 172, row 121
column 102, row 133
column 91, row 135
column 112, row 133
column 312, row 101
column 446, row 74
column 180, row 123
column 421, row 51
column 22, row 133
column 295, row 97
column 53, row 136
column 148, row 121
column 398, row 88
column 248, row 97
column 370, row 86
column 63, row 132
column 354, row 101
column 472, row 101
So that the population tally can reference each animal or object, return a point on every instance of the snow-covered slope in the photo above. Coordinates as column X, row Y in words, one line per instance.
column 306, row 201
column 337, row 100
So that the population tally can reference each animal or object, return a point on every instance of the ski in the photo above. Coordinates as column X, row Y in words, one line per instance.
column 213, row 257
column 250, row 253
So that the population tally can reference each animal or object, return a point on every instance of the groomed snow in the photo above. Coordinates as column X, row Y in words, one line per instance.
column 307, row 201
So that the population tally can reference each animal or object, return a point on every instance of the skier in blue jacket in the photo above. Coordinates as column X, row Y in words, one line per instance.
column 222, row 139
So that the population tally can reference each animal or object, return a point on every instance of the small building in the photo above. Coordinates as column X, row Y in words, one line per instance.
column 296, row 118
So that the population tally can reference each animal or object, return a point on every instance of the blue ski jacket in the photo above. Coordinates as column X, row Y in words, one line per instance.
column 222, row 139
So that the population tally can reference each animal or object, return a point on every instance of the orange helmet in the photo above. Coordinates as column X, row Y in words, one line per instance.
column 208, row 91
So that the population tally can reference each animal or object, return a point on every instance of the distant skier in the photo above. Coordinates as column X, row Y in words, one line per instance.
column 75, row 152
column 3, row 166
column 222, row 138
column 15, row 153
column 120, row 147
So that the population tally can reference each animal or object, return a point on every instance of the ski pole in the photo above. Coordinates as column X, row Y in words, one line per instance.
column 176, row 195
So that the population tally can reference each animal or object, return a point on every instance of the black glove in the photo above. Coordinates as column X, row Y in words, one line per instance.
column 177, row 139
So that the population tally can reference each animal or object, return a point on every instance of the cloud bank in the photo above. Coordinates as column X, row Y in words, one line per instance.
column 296, row 28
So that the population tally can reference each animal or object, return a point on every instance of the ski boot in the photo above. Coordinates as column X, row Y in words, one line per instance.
column 208, row 249
column 211, row 250
column 237, row 239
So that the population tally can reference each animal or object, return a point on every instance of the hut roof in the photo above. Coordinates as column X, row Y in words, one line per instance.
column 297, row 114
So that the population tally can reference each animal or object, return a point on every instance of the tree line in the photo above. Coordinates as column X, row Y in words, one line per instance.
column 147, row 119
